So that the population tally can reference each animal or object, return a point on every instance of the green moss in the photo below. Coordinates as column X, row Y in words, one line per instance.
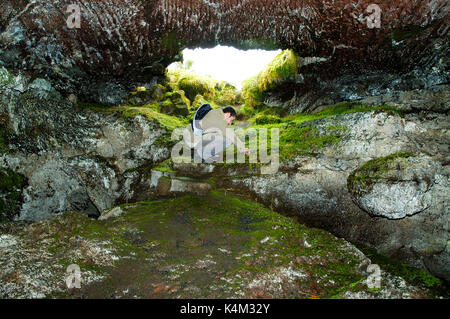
column 304, row 140
column 193, row 84
column 297, row 134
column 263, row 119
column 307, row 140
column 165, row 166
column 3, row 136
column 5, row 76
column 258, row 43
column 202, row 89
column 172, row 78
column 150, row 112
column 198, row 101
column 226, row 94
column 92, row 106
column 342, row 108
column 251, row 94
column 171, row 43
column 283, row 68
column 11, row 185
column 412, row 275
column 361, row 180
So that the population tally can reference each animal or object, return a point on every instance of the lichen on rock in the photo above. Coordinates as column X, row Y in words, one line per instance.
column 213, row 246
column 396, row 186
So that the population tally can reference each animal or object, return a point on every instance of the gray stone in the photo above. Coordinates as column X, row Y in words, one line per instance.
column 112, row 213
column 404, row 215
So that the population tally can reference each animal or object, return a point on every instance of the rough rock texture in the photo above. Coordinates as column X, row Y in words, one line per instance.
column 177, row 248
column 71, row 158
column 412, row 227
column 136, row 37
column 400, row 187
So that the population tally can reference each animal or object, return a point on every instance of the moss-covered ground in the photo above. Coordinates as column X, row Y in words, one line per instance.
column 214, row 246
column 411, row 275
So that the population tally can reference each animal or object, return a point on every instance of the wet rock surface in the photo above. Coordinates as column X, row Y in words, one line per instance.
column 214, row 246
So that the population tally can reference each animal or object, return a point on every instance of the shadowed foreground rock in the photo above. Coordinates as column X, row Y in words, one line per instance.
column 215, row 246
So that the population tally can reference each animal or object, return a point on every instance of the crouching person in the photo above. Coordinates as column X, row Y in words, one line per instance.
column 207, row 136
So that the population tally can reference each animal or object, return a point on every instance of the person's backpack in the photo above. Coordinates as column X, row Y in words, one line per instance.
column 199, row 115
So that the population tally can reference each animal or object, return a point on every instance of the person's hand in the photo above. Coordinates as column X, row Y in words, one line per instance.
column 246, row 151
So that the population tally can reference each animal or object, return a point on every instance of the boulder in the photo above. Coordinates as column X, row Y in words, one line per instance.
column 398, row 185
column 176, row 103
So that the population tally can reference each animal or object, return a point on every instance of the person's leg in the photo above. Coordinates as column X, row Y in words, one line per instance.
column 212, row 148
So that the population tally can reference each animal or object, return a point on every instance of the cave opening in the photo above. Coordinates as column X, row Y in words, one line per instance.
column 224, row 63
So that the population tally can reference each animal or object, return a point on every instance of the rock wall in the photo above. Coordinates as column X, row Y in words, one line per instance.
column 120, row 41
column 72, row 159
column 385, row 185
column 399, row 205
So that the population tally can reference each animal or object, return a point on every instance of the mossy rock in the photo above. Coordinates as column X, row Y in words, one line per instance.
column 214, row 246
column 142, row 95
column 158, row 92
column 193, row 84
column 283, row 68
column 361, row 180
column 3, row 134
column 251, row 93
column 11, row 186
column 176, row 104
column 226, row 94
column 411, row 32
column 152, row 112
column 263, row 119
